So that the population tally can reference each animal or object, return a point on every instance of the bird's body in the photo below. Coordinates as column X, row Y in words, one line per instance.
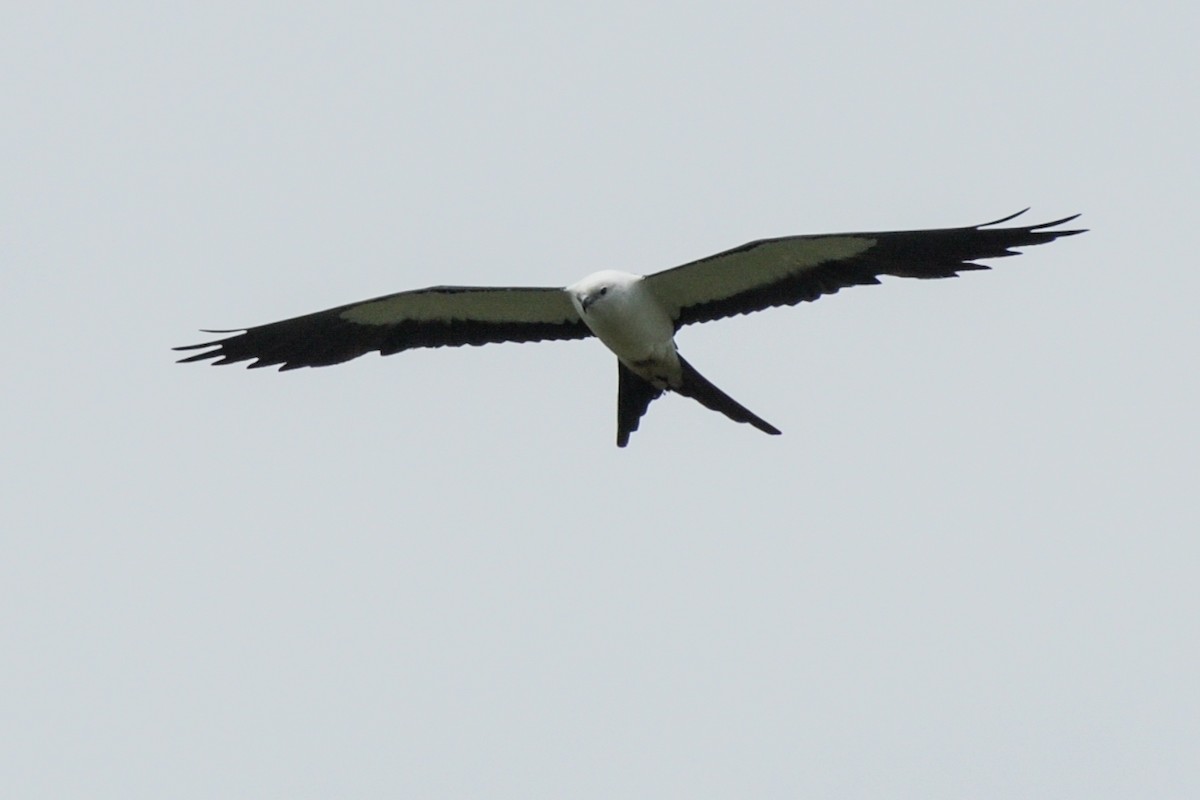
column 635, row 316
column 625, row 315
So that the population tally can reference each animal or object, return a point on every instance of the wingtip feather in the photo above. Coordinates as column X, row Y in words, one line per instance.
column 1002, row 220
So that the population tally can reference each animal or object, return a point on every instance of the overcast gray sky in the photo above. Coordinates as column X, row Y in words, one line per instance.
column 967, row 569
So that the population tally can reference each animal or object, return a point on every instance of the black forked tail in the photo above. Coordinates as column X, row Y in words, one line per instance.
column 699, row 388
column 634, row 396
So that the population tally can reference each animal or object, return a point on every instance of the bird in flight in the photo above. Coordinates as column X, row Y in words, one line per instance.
column 635, row 316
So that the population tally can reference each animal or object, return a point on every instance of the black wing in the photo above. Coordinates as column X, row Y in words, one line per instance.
column 793, row 269
column 441, row 316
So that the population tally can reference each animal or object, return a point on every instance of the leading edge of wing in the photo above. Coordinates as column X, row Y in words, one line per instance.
column 793, row 269
column 440, row 316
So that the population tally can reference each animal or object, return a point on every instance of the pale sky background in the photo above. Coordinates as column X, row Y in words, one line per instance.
column 968, row 568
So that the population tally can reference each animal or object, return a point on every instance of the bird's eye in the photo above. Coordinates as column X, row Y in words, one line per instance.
column 603, row 290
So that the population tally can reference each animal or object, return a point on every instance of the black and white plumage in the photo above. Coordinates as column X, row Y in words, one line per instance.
column 635, row 316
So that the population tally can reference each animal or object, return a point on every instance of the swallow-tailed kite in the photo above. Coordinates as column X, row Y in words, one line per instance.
column 635, row 316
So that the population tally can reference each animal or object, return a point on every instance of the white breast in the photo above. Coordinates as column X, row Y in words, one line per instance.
column 631, row 322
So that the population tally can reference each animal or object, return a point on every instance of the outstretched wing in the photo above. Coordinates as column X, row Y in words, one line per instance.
column 441, row 316
column 792, row 269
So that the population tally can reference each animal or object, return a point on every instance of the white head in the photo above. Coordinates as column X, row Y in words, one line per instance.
column 600, row 287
